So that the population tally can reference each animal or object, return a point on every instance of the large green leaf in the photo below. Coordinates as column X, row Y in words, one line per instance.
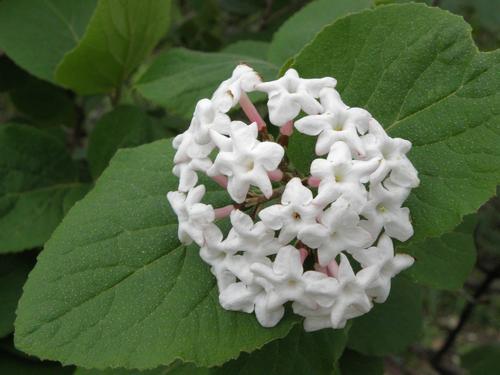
column 299, row 29
column 175, row 369
column 36, row 34
column 299, row 353
column 119, row 36
column 14, row 270
column 43, row 103
column 253, row 48
column 391, row 326
column 418, row 72
column 178, row 78
column 114, row 287
column 39, row 185
column 125, row 126
column 444, row 262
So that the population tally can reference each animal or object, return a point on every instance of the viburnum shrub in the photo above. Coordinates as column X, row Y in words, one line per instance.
column 361, row 186
column 239, row 188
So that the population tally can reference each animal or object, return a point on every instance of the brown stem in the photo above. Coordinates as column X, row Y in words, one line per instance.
column 283, row 140
column 254, row 200
column 264, row 135
column 436, row 360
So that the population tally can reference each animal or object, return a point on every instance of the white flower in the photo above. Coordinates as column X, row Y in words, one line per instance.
column 385, row 263
column 214, row 253
column 257, row 240
column 247, row 298
column 342, row 176
column 248, row 161
column 338, row 122
column 193, row 216
column 207, row 119
column 323, row 289
column 240, row 297
column 295, row 212
column 315, row 319
column 255, row 243
column 240, row 265
column 189, row 158
column 352, row 300
column 267, row 317
column 392, row 152
column 187, row 172
column 343, row 298
column 289, row 94
column 362, row 185
column 243, row 79
column 338, row 230
column 283, row 281
column 383, row 210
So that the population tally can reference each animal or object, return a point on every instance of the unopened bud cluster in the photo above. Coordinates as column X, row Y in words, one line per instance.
column 311, row 227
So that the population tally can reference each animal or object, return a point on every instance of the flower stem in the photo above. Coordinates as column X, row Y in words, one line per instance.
column 285, row 133
column 253, row 115
column 223, row 212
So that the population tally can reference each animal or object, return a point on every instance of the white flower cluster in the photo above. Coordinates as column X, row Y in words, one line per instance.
column 301, row 250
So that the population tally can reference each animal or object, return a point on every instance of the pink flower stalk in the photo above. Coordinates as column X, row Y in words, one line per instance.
column 287, row 129
column 332, row 268
column 276, row 175
column 221, row 180
column 223, row 212
column 321, row 269
column 313, row 181
column 303, row 254
column 251, row 112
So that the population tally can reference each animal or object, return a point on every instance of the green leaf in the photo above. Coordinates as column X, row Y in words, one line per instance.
column 301, row 28
column 354, row 363
column 418, row 72
column 43, row 103
column 178, row 78
column 391, row 326
column 118, row 38
column 176, row 369
column 14, row 270
column 299, row 353
column 468, row 224
column 36, row 34
column 444, row 262
column 10, row 364
column 38, row 102
column 125, row 126
column 300, row 151
column 39, row 185
column 252, row 48
column 483, row 360
column 114, row 287
column 168, row 126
